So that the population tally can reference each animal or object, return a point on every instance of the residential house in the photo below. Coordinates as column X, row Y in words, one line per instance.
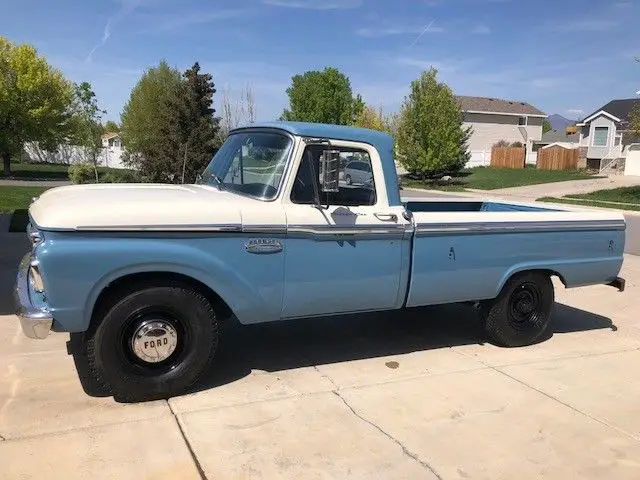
column 111, row 140
column 567, row 138
column 494, row 119
column 605, row 135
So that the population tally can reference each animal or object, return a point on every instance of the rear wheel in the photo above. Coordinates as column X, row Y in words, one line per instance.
column 521, row 313
column 153, row 342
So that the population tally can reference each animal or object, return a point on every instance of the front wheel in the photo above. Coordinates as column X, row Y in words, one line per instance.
column 521, row 313
column 153, row 342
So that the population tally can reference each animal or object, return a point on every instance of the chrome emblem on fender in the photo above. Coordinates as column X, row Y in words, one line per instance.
column 263, row 245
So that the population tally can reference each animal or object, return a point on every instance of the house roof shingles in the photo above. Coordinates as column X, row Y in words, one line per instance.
column 554, row 136
column 497, row 105
column 620, row 108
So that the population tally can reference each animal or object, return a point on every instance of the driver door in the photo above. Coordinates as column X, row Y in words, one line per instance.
column 346, row 256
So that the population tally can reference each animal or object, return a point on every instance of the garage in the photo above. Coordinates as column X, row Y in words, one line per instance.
column 632, row 162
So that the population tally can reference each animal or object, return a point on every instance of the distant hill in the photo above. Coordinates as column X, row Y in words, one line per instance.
column 558, row 122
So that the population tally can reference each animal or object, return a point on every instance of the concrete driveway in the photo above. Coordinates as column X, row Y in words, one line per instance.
column 416, row 395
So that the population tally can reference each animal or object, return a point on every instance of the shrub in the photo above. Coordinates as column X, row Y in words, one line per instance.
column 501, row 143
column 517, row 144
column 123, row 176
column 82, row 173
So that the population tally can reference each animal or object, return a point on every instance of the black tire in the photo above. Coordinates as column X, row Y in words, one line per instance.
column 110, row 355
column 521, row 313
column 347, row 179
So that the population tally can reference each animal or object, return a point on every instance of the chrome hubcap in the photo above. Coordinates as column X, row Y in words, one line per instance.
column 154, row 341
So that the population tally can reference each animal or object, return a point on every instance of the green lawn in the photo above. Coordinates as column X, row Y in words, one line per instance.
column 624, row 198
column 15, row 198
column 39, row 171
column 487, row 178
column 50, row 171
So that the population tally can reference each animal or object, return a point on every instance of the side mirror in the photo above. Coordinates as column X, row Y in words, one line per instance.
column 329, row 170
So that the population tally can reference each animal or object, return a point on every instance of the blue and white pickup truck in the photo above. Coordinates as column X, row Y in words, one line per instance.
column 144, row 274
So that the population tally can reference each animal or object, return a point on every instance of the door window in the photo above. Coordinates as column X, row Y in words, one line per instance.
column 359, row 191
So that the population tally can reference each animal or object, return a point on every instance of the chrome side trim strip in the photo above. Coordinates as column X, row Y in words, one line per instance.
column 427, row 229
column 355, row 232
column 160, row 228
column 270, row 229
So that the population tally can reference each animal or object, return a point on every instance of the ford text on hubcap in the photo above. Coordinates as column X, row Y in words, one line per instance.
column 154, row 341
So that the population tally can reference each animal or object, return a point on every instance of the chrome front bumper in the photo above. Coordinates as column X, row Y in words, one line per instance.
column 35, row 321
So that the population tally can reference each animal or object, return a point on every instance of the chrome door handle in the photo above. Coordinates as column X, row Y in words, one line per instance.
column 390, row 217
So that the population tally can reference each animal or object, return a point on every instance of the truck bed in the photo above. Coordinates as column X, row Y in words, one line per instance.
column 467, row 249
column 470, row 206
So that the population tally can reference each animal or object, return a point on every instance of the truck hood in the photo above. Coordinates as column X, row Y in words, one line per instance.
column 136, row 207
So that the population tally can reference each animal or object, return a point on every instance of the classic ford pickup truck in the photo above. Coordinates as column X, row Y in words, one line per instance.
column 289, row 220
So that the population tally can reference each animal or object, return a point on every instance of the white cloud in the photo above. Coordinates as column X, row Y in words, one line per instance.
column 315, row 4
column 390, row 30
column 575, row 111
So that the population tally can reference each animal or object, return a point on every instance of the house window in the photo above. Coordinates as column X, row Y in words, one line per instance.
column 600, row 136
column 522, row 121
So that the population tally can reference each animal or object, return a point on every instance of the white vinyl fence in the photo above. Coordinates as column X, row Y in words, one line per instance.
column 72, row 154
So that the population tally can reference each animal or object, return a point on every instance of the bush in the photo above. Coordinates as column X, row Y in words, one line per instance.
column 124, row 176
column 82, row 173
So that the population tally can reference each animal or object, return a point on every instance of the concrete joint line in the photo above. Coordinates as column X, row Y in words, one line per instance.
column 405, row 450
column 194, row 457
column 585, row 414
column 324, row 375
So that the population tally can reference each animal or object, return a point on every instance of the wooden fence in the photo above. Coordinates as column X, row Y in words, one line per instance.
column 558, row 158
column 508, row 157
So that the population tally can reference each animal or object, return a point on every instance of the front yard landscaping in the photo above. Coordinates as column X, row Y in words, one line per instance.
column 623, row 198
column 55, row 171
column 15, row 201
column 488, row 178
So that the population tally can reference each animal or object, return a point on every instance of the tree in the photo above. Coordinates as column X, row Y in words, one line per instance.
column 369, row 117
column 149, row 102
column 322, row 97
column 233, row 114
column 87, row 127
column 546, row 126
column 35, row 101
column 431, row 137
column 111, row 127
column 191, row 128
column 178, row 138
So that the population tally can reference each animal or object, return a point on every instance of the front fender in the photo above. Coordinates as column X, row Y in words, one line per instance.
column 78, row 269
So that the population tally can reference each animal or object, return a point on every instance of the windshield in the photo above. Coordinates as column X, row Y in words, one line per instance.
column 250, row 163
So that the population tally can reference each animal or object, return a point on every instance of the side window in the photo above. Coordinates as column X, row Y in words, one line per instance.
column 356, row 185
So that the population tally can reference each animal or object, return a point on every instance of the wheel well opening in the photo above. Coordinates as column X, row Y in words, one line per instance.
column 547, row 271
column 126, row 283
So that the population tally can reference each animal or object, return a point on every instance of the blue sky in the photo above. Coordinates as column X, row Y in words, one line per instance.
column 563, row 56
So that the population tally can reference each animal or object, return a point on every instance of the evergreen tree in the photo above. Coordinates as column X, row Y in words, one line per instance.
column 190, row 130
